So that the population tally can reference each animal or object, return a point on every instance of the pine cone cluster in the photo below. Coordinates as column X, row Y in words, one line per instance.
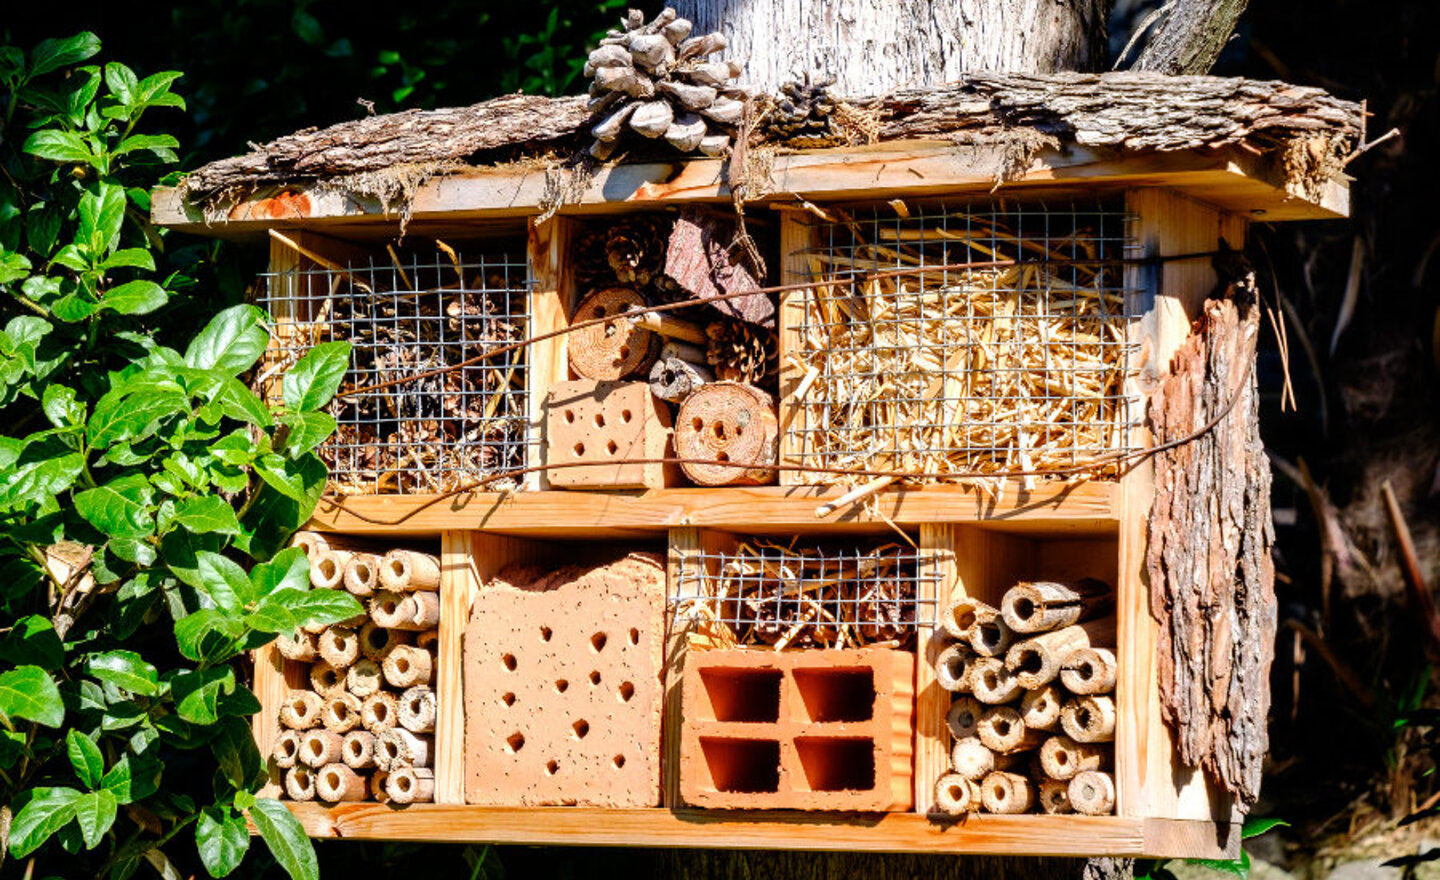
column 655, row 80
column 803, row 111
column 630, row 252
column 740, row 352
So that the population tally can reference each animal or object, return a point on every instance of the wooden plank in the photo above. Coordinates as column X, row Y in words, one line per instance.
column 932, row 702
column 797, row 236
column 549, row 245
column 1030, row 835
column 1229, row 178
column 1079, row 508
column 459, row 583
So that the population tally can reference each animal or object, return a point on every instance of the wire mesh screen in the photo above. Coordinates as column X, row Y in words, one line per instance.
column 962, row 366
column 808, row 596
column 405, row 424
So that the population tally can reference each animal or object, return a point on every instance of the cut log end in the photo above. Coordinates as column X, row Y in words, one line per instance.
column 1089, row 671
column 1089, row 719
column 733, row 425
column 616, row 349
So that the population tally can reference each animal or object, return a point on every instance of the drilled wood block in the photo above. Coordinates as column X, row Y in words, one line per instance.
column 594, row 429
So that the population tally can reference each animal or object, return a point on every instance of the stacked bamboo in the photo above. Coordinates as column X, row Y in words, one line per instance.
column 364, row 728
column 1033, row 715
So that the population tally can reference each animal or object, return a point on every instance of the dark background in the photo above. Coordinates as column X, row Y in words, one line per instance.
column 1341, row 772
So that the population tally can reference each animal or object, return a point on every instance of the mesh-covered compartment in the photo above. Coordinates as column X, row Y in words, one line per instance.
column 412, row 419
column 924, row 355
column 832, row 594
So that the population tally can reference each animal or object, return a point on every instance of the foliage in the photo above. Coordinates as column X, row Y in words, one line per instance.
column 1158, row 870
column 135, row 478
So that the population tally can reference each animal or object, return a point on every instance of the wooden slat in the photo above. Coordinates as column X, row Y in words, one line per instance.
column 548, row 244
column 1230, row 179
column 1085, row 508
column 458, row 585
column 932, row 702
column 731, row 829
column 796, row 237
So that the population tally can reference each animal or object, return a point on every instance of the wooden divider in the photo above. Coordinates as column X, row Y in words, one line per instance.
column 797, row 236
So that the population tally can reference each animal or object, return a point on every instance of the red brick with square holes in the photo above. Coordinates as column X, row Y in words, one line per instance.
column 803, row 730
column 606, row 423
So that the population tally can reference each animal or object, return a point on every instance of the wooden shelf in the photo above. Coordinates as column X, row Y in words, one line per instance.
column 872, row 832
column 1088, row 508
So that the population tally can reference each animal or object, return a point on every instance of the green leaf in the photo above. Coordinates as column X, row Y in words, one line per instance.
column 102, row 213
column 301, row 479
column 55, row 54
column 316, row 606
column 28, row 692
column 316, row 377
column 224, row 581
column 71, row 257
column 232, row 342
column 162, row 145
column 119, row 508
column 136, row 550
column 235, row 751
column 208, row 635
column 1254, row 827
column 49, row 810
column 130, row 258
column 85, row 758
column 33, row 640
column 208, row 513
column 307, row 430
column 286, row 838
column 59, row 146
column 121, row 81
column 240, row 403
column 126, row 669
column 197, row 693
column 130, row 413
column 96, row 813
column 135, row 298
column 289, row 570
column 39, row 477
column 61, row 407
column 222, row 838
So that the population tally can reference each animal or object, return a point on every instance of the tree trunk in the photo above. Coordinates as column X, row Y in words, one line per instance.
column 875, row 46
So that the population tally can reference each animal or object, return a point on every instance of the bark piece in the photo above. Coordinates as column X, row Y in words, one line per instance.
column 727, row 422
column 1211, row 574
column 616, row 349
column 699, row 259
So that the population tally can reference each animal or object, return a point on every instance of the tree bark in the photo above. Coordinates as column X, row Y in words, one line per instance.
column 877, row 46
column 1188, row 36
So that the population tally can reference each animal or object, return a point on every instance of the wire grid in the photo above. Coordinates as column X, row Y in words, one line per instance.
column 958, row 370
column 821, row 595
column 407, row 315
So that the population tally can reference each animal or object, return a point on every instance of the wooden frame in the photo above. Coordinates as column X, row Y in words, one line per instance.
column 1182, row 203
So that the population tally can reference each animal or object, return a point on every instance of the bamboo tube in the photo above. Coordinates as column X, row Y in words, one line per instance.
column 314, row 629
column 299, row 646
column 378, row 713
column 1003, row 792
column 410, row 785
column 286, row 750
column 363, row 678
column 313, row 543
column 320, row 747
column 362, row 574
column 378, row 794
column 1092, row 792
column 410, row 611
column 336, row 783
column 1001, row 730
column 963, row 719
column 671, row 327
column 1055, row 797
column 992, row 683
column 301, row 710
column 1062, row 757
column 1040, row 708
column 961, row 614
column 429, row 640
column 416, row 709
column 398, row 747
column 1036, row 661
column 376, row 641
column 300, row 784
column 955, row 795
column 328, row 571
column 1041, row 606
column 341, row 713
column 672, row 379
column 326, row 679
column 989, row 635
column 405, row 571
column 407, row 666
column 954, row 667
column 1089, row 718
column 971, row 759
column 1089, row 671
column 358, row 749
column 339, row 646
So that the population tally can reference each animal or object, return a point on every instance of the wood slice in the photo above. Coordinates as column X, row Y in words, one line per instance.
column 617, row 349
column 731, row 422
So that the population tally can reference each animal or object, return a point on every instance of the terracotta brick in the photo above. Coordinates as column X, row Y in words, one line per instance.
column 606, row 423
column 803, row 730
column 562, row 686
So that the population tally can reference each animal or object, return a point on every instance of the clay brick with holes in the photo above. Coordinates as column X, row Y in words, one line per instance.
column 605, row 423
column 562, row 686
column 800, row 730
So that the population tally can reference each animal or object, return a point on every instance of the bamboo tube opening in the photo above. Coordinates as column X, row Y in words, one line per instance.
column 955, row 795
column 1092, row 792
column 1055, row 797
column 963, row 719
column 990, row 637
column 953, row 668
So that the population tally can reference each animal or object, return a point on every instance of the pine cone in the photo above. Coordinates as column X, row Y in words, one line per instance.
column 630, row 252
column 802, row 113
column 741, row 352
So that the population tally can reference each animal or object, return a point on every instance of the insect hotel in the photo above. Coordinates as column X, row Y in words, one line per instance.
column 794, row 471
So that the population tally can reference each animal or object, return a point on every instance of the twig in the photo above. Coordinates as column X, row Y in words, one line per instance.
column 1423, row 604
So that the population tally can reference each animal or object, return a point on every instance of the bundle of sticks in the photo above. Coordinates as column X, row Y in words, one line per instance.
column 784, row 596
column 364, row 728
column 423, row 435
column 962, row 370
column 1033, row 716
